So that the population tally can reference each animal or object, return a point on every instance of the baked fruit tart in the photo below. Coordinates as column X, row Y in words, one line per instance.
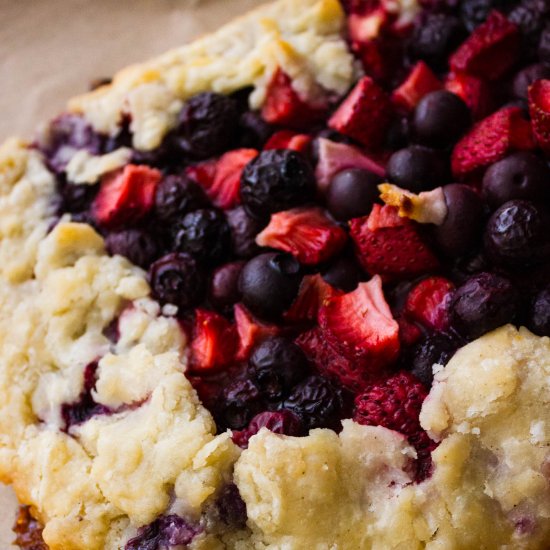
column 288, row 287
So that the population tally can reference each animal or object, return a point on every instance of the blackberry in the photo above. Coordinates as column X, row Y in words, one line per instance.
column 207, row 124
column 530, row 16
column 177, row 195
column 176, row 279
column 475, row 12
column 204, row 234
column 276, row 180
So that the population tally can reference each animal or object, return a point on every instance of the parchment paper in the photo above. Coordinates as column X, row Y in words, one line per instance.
column 52, row 49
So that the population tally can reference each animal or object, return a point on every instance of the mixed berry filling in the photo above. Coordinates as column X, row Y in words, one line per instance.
column 325, row 255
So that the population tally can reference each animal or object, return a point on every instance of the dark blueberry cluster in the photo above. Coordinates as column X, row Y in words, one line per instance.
column 165, row 532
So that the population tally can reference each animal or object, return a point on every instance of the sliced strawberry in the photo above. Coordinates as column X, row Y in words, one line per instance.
column 283, row 105
column 539, row 107
column 203, row 172
column 364, row 115
column 420, row 81
column 391, row 246
column 335, row 157
column 214, row 341
column 360, row 325
column 224, row 191
column 490, row 50
column 474, row 91
column 306, row 233
column 286, row 139
column 367, row 25
column 427, row 303
column 313, row 290
column 490, row 140
column 125, row 195
column 250, row 331
column 329, row 362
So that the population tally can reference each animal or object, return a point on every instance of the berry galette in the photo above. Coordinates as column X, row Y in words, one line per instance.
column 288, row 287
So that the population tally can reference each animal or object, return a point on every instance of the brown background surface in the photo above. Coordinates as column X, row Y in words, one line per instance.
column 52, row 49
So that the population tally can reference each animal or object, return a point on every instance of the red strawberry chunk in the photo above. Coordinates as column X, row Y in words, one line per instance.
column 364, row 115
column 539, row 107
column 490, row 50
column 286, row 139
column 203, row 172
column 250, row 332
column 125, row 195
column 360, row 325
column 490, row 140
column 306, row 233
column 335, row 157
column 214, row 341
column 329, row 362
column 420, row 81
column 427, row 303
column 391, row 246
column 225, row 189
column 313, row 291
column 283, row 105
column 473, row 91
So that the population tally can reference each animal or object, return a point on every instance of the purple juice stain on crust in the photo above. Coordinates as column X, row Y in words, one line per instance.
column 85, row 407
column 164, row 533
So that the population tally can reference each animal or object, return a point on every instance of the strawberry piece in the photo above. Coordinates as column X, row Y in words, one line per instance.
column 286, row 139
column 473, row 91
column 427, row 303
column 250, row 331
column 329, row 362
column 539, row 107
column 335, row 157
column 491, row 139
column 306, row 233
column 490, row 50
column 125, row 195
column 391, row 246
column 225, row 189
column 420, row 81
column 364, row 115
column 214, row 341
column 409, row 332
column 360, row 325
column 311, row 294
column 203, row 172
column 283, row 105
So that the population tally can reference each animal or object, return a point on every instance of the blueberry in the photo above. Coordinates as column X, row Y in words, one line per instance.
column 440, row 118
column 255, row 131
column 352, row 193
column 176, row 279
column 224, row 286
column 544, row 47
column 461, row 228
column 278, row 422
column 434, row 349
column 483, row 303
column 269, row 283
column 276, row 180
column 135, row 244
column 207, row 125
column 316, row 402
column 165, row 532
column 344, row 273
column 527, row 76
column 240, row 401
column 244, row 229
column 517, row 234
column 231, row 507
column 538, row 319
column 204, row 234
column 76, row 198
column 435, row 36
column 177, row 195
column 418, row 168
column 398, row 133
column 276, row 365
column 519, row 176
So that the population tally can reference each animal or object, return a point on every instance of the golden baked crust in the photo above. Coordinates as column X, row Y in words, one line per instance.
column 94, row 487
